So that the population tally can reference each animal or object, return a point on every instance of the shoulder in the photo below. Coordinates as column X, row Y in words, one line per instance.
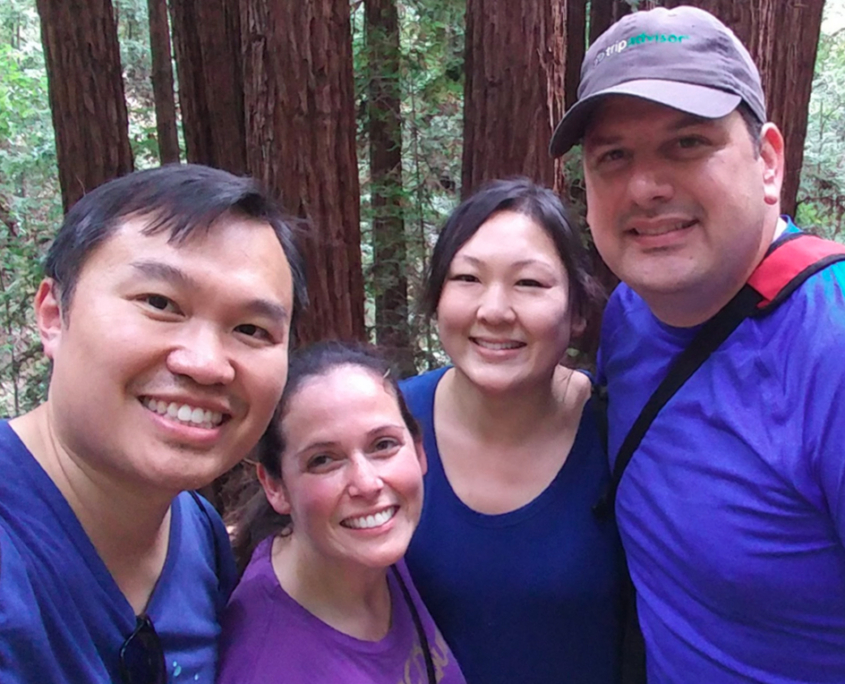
column 251, row 617
column 205, row 530
column 257, row 587
column 264, row 631
column 811, row 321
column 419, row 390
column 23, row 640
column 422, row 382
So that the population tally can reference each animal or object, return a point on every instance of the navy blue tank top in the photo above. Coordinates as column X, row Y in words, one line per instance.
column 531, row 596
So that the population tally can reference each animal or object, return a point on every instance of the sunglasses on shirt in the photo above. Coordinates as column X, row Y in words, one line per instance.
column 141, row 655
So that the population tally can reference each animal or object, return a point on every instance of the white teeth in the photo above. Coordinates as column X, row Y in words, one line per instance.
column 498, row 345
column 665, row 229
column 368, row 521
column 184, row 413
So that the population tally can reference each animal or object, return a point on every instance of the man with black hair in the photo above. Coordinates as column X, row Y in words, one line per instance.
column 166, row 313
column 732, row 507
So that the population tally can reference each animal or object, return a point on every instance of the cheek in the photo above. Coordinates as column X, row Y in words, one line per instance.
column 453, row 309
column 407, row 478
column 263, row 378
column 550, row 320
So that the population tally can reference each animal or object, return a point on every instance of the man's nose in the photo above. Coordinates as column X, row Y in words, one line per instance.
column 201, row 354
column 650, row 183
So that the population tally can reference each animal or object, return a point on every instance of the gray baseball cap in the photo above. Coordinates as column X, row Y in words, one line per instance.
column 683, row 58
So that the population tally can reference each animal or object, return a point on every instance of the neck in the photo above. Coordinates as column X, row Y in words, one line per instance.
column 507, row 418
column 353, row 599
column 128, row 528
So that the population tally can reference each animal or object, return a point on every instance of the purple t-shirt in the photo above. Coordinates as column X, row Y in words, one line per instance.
column 269, row 637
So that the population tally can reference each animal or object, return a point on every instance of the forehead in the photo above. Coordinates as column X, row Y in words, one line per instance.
column 347, row 385
column 619, row 115
column 233, row 239
column 236, row 265
column 509, row 235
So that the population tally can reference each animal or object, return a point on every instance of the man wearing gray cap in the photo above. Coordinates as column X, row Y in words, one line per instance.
column 732, row 508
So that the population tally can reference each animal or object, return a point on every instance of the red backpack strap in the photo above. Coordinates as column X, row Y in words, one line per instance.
column 790, row 261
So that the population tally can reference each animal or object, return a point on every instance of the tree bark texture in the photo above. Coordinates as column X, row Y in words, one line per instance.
column 513, row 96
column 782, row 37
column 300, row 123
column 575, row 40
column 384, row 125
column 206, row 37
column 86, row 94
column 603, row 13
column 162, row 77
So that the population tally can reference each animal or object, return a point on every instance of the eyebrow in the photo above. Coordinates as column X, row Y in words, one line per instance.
column 516, row 264
column 683, row 121
column 158, row 270
column 370, row 434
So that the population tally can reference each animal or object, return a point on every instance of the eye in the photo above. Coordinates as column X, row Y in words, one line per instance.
column 464, row 278
column 159, row 303
column 253, row 331
column 320, row 463
column 690, row 142
column 529, row 282
column 386, row 444
column 610, row 156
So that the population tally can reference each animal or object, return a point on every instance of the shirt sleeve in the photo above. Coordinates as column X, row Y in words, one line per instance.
column 22, row 637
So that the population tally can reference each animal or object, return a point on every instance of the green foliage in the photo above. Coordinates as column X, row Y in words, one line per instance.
column 821, row 196
column 133, row 31
column 30, row 199
column 30, row 202
column 431, row 82
column 431, row 74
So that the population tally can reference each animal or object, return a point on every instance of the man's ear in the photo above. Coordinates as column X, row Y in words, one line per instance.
column 274, row 490
column 48, row 315
column 772, row 155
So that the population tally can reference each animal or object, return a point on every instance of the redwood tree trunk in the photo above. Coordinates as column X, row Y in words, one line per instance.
column 385, row 132
column 86, row 94
column 603, row 13
column 162, row 77
column 300, row 124
column 206, row 37
column 513, row 97
column 575, row 39
column 782, row 37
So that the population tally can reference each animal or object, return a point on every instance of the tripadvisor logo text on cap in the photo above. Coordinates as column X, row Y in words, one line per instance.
column 640, row 39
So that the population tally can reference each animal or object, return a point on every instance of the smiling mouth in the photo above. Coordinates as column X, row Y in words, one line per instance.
column 663, row 229
column 193, row 416
column 366, row 522
column 497, row 346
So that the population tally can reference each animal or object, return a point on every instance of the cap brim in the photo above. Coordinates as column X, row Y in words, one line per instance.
column 708, row 103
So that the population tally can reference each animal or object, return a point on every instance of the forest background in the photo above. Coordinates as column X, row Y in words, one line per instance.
column 370, row 120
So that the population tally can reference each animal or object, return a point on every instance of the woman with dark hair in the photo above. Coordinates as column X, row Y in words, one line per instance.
column 325, row 596
column 521, row 577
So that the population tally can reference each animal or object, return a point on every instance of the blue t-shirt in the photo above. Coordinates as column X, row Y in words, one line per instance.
column 530, row 596
column 63, row 618
column 732, row 510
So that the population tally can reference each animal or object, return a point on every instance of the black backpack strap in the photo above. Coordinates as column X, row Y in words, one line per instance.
column 712, row 334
